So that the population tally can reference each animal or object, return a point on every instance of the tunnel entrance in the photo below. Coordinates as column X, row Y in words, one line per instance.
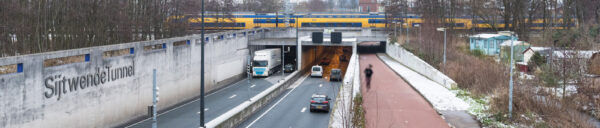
column 329, row 57
column 288, row 54
column 371, row 47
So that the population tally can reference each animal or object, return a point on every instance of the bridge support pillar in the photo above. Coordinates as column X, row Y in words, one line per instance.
column 299, row 52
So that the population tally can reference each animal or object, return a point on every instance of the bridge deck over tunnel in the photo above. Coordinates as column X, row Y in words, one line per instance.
column 349, row 35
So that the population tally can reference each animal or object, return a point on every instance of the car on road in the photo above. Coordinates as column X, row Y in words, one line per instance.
column 347, row 50
column 335, row 75
column 319, row 103
column 316, row 71
column 343, row 58
column 288, row 68
column 324, row 61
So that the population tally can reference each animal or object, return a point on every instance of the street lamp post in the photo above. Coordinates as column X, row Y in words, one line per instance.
column 444, row 30
column 282, row 61
column 202, row 41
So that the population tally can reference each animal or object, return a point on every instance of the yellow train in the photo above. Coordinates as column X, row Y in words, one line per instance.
column 364, row 20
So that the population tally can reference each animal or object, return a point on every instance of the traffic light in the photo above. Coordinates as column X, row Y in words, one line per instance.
column 248, row 69
column 156, row 90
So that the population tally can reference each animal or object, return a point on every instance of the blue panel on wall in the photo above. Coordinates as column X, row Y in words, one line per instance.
column 131, row 51
column 87, row 57
column 20, row 67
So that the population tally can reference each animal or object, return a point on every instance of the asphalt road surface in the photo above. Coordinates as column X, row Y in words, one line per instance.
column 217, row 103
column 291, row 109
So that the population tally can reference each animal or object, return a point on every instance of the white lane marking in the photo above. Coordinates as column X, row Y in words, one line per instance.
column 267, row 78
column 207, row 95
column 303, row 109
column 320, row 85
column 276, row 103
column 253, row 86
column 232, row 96
column 206, row 109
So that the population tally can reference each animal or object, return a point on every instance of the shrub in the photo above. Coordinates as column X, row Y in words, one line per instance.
column 358, row 120
column 477, row 53
column 530, row 105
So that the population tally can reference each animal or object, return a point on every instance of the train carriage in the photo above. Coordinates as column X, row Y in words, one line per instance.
column 359, row 20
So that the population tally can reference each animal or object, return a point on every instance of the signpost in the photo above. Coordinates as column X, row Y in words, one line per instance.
column 155, row 98
column 249, row 72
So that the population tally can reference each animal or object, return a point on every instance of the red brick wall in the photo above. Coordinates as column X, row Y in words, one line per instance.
column 368, row 5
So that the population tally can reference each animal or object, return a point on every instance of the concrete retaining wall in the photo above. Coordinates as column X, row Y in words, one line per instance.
column 342, row 114
column 115, row 90
column 415, row 63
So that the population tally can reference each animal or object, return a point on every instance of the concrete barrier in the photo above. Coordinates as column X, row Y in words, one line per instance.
column 239, row 114
column 110, row 91
column 415, row 63
column 341, row 115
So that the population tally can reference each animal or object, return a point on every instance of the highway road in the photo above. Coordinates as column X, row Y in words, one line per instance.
column 217, row 103
column 291, row 110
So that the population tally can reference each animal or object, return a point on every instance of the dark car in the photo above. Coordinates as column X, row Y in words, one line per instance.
column 319, row 103
column 347, row 50
column 288, row 68
column 343, row 58
column 335, row 75
column 324, row 61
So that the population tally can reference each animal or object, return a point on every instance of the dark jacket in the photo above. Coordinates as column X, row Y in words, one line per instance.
column 368, row 72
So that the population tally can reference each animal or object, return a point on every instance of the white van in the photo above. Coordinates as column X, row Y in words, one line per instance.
column 316, row 71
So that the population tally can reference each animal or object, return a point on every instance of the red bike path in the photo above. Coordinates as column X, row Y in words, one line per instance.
column 393, row 103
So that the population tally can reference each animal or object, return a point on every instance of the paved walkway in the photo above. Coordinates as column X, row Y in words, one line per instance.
column 453, row 109
column 393, row 103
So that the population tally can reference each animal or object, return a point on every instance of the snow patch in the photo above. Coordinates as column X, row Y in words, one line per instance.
column 441, row 98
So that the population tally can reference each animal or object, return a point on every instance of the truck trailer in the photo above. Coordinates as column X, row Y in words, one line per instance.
column 266, row 62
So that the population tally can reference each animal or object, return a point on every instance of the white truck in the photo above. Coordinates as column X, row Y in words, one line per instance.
column 266, row 62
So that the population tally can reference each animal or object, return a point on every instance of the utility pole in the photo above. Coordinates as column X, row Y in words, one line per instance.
column 395, row 29
column 444, row 47
column 407, row 37
column 202, row 70
column 443, row 29
column 510, row 84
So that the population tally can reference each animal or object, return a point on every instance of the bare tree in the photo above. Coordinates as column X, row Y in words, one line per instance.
column 40, row 26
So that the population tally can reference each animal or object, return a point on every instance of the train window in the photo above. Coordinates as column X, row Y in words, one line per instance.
column 259, row 21
column 376, row 21
column 455, row 24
